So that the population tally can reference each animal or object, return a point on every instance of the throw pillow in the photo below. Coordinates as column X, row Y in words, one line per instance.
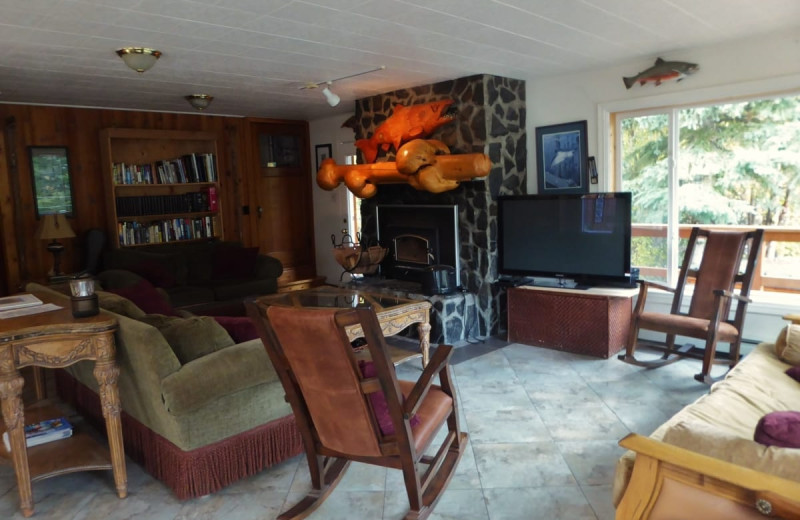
column 787, row 346
column 240, row 328
column 779, row 429
column 380, row 407
column 155, row 273
column 146, row 297
column 234, row 262
column 190, row 338
column 119, row 305
column 794, row 373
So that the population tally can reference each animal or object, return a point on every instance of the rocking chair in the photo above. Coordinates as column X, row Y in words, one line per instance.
column 708, row 316
column 349, row 405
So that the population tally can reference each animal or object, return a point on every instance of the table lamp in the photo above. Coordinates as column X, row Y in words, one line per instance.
column 52, row 227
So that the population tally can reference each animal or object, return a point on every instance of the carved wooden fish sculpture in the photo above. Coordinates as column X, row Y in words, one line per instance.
column 404, row 124
column 662, row 71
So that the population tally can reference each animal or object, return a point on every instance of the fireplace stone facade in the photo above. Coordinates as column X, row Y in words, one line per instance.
column 490, row 120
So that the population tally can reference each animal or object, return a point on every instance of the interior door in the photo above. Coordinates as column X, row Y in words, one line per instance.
column 282, row 189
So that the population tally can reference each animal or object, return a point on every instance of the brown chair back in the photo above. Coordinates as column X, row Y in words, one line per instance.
column 322, row 366
column 720, row 268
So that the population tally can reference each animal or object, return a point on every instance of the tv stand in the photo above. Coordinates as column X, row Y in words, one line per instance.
column 592, row 321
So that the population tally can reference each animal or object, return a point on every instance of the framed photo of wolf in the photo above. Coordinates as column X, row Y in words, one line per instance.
column 561, row 158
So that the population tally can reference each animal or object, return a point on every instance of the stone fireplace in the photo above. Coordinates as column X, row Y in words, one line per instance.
column 490, row 120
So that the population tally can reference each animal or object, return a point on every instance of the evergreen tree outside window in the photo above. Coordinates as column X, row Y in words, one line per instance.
column 729, row 164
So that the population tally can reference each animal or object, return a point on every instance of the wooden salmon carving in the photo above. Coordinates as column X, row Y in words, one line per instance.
column 405, row 124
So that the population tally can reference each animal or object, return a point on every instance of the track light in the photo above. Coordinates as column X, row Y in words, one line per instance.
column 332, row 98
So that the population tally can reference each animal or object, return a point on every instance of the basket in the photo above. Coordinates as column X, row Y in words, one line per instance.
column 354, row 259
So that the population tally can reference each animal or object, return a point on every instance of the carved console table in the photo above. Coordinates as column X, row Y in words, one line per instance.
column 56, row 339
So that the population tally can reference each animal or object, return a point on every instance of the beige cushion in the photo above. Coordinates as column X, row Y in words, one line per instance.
column 787, row 346
column 190, row 338
column 119, row 305
column 716, row 442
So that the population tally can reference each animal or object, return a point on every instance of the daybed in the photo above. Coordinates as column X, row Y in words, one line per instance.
column 721, row 425
column 195, row 273
column 196, row 423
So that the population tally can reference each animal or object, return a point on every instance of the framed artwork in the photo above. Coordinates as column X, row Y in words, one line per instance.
column 561, row 158
column 52, row 183
column 324, row 151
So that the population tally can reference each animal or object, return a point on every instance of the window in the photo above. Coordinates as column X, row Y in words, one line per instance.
column 52, row 186
column 730, row 165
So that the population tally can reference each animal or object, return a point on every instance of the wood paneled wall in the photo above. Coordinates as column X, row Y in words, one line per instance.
column 23, row 258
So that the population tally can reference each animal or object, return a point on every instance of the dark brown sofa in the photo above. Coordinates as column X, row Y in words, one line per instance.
column 196, row 273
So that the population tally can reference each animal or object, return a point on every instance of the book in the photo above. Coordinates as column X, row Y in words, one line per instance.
column 43, row 432
column 18, row 301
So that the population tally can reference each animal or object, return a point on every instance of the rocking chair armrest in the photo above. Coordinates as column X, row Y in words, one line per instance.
column 735, row 296
column 437, row 363
column 654, row 285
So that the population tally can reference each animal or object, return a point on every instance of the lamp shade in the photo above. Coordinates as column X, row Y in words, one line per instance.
column 139, row 59
column 53, row 227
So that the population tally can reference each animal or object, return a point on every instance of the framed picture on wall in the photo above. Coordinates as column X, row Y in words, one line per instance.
column 561, row 158
column 52, row 184
column 324, row 151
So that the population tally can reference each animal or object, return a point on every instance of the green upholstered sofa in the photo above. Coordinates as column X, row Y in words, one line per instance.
column 196, row 426
column 196, row 273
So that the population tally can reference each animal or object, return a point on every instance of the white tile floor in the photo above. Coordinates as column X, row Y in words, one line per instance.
column 543, row 427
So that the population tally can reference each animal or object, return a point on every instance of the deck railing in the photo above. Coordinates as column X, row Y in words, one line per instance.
column 760, row 281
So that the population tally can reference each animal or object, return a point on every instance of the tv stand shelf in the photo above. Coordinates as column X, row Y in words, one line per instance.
column 593, row 321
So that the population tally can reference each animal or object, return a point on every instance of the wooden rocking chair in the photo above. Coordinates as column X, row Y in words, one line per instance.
column 340, row 396
column 708, row 316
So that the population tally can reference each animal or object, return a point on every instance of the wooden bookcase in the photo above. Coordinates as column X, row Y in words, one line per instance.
column 159, row 184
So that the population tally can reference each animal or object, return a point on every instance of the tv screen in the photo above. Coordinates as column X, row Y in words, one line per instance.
column 586, row 238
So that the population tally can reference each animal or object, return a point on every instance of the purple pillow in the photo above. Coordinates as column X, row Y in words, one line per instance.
column 794, row 373
column 146, row 297
column 234, row 262
column 378, row 402
column 240, row 328
column 779, row 429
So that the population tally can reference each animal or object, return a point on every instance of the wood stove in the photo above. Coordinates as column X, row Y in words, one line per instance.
column 418, row 236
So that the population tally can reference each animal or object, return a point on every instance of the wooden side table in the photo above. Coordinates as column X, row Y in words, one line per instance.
column 56, row 339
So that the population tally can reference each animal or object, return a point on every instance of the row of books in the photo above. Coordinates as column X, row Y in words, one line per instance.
column 195, row 167
column 43, row 432
column 163, row 204
column 167, row 230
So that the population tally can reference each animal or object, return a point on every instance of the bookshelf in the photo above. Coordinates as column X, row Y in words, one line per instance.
column 162, row 186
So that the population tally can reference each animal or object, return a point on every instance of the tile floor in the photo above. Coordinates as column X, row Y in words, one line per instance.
column 543, row 428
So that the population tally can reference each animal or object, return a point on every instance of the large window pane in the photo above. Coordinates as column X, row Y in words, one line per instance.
column 644, row 161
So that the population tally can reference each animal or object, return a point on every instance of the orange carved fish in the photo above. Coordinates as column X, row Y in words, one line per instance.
column 405, row 124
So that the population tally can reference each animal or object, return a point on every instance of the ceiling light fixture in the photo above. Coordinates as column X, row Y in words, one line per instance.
column 332, row 98
column 199, row 101
column 139, row 59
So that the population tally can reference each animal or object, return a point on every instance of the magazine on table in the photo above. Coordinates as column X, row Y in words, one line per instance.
column 43, row 432
column 18, row 301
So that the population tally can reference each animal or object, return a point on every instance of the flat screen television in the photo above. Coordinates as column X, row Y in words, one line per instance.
column 585, row 238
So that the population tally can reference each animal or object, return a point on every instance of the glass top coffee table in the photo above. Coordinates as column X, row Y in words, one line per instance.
column 394, row 314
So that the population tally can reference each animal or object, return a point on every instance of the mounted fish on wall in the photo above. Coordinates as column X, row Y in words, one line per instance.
column 662, row 71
